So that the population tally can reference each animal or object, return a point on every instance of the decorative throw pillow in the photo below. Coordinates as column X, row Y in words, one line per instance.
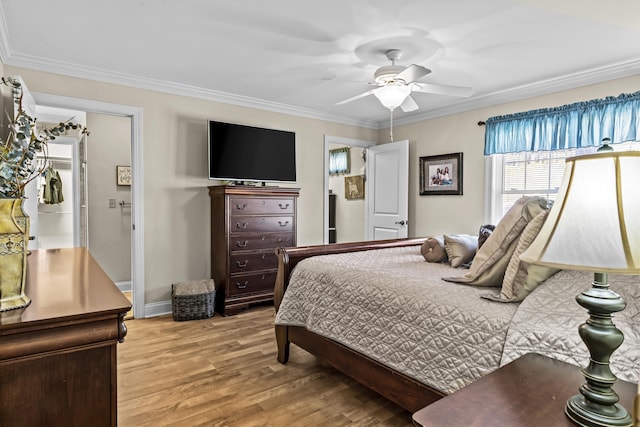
column 491, row 260
column 433, row 249
column 460, row 248
column 520, row 278
column 484, row 233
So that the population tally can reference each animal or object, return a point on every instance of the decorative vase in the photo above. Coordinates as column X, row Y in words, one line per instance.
column 14, row 239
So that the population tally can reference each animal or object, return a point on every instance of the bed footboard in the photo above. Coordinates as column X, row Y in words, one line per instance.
column 404, row 391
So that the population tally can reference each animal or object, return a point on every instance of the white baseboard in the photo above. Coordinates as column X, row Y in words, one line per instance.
column 157, row 309
column 124, row 286
column 150, row 310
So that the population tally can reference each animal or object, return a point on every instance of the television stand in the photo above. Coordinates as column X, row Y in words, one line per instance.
column 249, row 184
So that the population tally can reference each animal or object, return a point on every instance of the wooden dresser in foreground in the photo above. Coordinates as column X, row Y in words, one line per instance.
column 247, row 224
column 58, row 355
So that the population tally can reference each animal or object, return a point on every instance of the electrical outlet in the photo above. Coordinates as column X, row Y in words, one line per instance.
column 112, row 203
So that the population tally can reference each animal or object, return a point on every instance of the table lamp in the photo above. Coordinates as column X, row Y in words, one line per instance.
column 594, row 225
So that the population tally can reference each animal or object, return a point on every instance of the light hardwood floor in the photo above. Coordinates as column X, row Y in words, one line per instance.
column 223, row 372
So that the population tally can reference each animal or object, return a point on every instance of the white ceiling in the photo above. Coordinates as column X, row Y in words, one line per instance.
column 303, row 56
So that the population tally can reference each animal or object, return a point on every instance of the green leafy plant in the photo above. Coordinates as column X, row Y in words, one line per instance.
column 18, row 154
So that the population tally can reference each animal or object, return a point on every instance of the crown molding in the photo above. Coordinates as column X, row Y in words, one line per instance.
column 173, row 88
column 567, row 82
column 545, row 87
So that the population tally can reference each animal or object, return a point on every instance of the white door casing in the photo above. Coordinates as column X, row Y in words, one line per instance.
column 387, row 191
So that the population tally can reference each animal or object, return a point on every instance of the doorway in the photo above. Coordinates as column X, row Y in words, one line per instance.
column 385, row 208
column 60, row 222
column 136, row 208
column 59, row 218
column 350, row 225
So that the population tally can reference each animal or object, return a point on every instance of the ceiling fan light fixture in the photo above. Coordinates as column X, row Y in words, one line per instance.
column 387, row 74
column 392, row 96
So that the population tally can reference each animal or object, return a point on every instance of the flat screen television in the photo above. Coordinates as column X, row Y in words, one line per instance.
column 246, row 153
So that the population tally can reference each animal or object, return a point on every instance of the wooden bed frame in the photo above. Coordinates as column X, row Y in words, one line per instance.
column 395, row 386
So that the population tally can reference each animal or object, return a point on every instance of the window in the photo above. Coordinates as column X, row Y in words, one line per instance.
column 528, row 149
column 339, row 161
column 529, row 173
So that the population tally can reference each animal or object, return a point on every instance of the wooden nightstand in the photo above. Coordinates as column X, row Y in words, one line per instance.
column 530, row 391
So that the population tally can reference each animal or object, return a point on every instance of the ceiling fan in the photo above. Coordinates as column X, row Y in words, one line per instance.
column 397, row 82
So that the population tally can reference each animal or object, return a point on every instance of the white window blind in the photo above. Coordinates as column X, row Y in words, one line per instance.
column 530, row 173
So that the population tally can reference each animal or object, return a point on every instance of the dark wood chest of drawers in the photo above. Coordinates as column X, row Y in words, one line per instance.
column 247, row 224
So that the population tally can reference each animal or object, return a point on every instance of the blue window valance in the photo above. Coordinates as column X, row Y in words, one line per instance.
column 583, row 124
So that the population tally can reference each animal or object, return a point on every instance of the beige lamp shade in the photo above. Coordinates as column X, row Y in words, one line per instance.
column 594, row 224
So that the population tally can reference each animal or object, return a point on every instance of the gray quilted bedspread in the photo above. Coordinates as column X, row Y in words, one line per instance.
column 392, row 306
column 547, row 323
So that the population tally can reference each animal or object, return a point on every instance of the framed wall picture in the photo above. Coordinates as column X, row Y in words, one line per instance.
column 354, row 187
column 123, row 175
column 441, row 175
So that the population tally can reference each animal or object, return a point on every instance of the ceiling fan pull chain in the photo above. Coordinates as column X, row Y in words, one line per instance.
column 391, row 125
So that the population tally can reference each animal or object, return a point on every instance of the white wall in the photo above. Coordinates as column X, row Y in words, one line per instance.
column 108, row 146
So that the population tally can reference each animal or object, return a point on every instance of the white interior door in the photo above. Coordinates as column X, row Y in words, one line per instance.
column 387, row 191
column 30, row 208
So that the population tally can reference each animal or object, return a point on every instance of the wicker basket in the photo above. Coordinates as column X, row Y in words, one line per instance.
column 193, row 300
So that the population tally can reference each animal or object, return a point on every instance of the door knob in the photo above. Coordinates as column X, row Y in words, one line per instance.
column 402, row 222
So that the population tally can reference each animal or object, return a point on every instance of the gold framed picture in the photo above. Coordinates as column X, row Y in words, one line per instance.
column 354, row 187
column 123, row 175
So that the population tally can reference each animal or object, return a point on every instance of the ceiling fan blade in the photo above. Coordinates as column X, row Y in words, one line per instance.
column 409, row 105
column 412, row 73
column 353, row 98
column 461, row 91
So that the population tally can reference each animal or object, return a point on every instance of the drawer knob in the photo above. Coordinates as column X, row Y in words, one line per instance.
column 242, row 264
column 242, row 285
column 283, row 224
column 242, row 244
column 243, row 225
column 241, row 207
column 285, row 206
